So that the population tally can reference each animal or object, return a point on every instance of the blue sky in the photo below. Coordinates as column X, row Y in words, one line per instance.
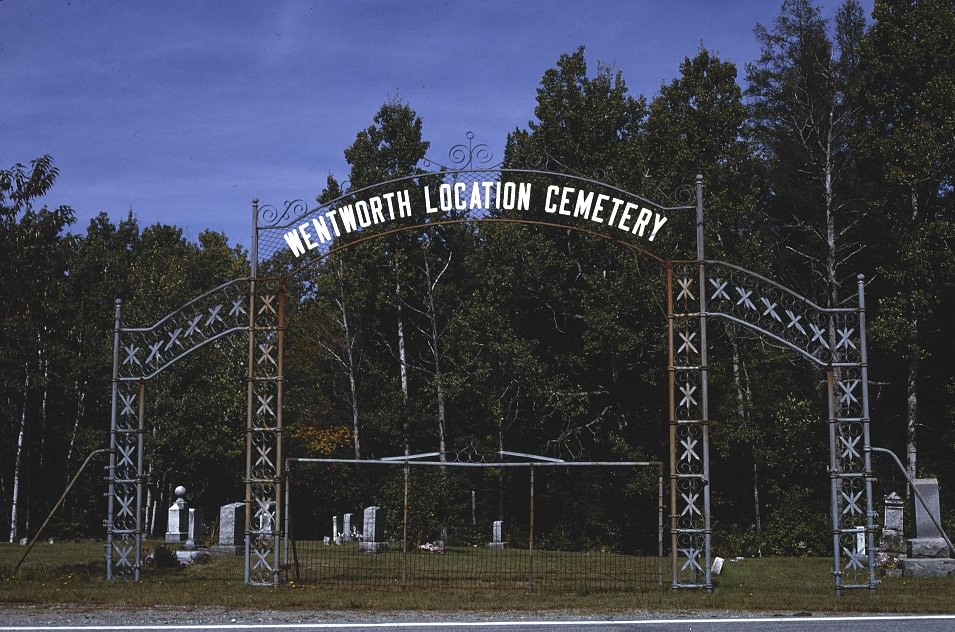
column 185, row 111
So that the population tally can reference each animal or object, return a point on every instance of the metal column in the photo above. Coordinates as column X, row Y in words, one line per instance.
column 689, row 416
column 263, row 478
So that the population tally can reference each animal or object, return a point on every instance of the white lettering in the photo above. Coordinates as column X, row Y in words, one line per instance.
column 311, row 245
column 599, row 206
column 444, row 197
column 404, row 203
column 487, row 194
column 583, row 204
column 391, row 207
column 657, row 225
column 361, row 210
column 565, row 200
column 321, row 229
column 331, row 217
column 510, row 194
column 427, row 201
column 626, row 215
column 524, row 196
column 347, row 215
column 295, row 242
column 376, row 206
column 475, row 196
column 550, row 207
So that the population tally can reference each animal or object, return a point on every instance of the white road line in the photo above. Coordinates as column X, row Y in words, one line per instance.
column 473, row 624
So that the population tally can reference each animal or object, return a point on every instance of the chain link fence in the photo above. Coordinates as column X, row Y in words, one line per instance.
column 515, row 525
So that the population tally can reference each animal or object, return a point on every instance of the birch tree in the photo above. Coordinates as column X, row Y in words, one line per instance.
column 802, row 117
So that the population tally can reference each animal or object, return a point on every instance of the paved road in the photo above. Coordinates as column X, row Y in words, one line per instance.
column 105, row 621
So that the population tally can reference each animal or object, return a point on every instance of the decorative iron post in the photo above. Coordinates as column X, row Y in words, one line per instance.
column 867, row 441
column 689, row 416
column 853, row 520
column 124, row 537
column 263, row 477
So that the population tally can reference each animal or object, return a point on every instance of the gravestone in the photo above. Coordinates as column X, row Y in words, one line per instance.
column 892, row 541
column 717, row 566
column 373, row 531
column 195, row 527
column 177, row 525
column 231, row 528
column 497, row 529
column 928, row 552
column 928, row 540
column 892, row 526
column 335, row 537
column 347, row 527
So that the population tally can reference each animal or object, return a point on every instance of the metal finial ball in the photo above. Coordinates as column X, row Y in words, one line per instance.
column 180, row 491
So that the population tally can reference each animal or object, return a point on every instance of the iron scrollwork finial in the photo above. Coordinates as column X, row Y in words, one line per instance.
column 465, row 156
column 270, row 216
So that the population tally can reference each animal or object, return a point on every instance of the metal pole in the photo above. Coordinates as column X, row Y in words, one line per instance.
column 704, row 388
column 530, row 540
column 250, row 395
column 867, row 447
column 137, row 566
column 111, row 493
column 287, row 525
column 57, row 506
column 671, row 371
column 279, row 397
column 660, row 524
column 835, row 481
column 918, row 495
column 404, row 527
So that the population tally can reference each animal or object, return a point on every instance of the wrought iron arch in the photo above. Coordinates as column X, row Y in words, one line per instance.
column 833, row 338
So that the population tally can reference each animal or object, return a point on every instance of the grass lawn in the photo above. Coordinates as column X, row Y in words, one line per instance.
column 73, row 574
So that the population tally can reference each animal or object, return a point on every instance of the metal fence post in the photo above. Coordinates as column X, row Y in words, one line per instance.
column 530, row 540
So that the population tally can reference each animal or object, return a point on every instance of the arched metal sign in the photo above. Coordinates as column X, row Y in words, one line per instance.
column 288, row 239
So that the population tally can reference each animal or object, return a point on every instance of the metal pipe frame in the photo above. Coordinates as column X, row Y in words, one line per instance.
column 688, row 390
column 151, row 350
column 264, row 477
column 124, row 535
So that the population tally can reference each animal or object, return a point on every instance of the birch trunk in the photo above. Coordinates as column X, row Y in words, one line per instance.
column 15, row 499
column 744, row 399
column 349, row 359
column 911, row 382
column 436, row 355
column 45, row 367
column 80, row 407
column 403, row 367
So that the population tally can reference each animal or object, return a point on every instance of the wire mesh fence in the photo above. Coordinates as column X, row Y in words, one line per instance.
column 536, row 526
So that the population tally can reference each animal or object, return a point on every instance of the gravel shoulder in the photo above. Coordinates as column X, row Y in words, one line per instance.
column 58, row 615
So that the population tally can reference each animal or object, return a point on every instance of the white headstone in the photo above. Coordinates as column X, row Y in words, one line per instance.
column 373, row 531
column 346, row 527
column 893, row 512
column 497, row 533
column 717, row 565
column 195, row 527
column 177, row 529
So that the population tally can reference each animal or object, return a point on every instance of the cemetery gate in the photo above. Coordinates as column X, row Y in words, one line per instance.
column 471, row 189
